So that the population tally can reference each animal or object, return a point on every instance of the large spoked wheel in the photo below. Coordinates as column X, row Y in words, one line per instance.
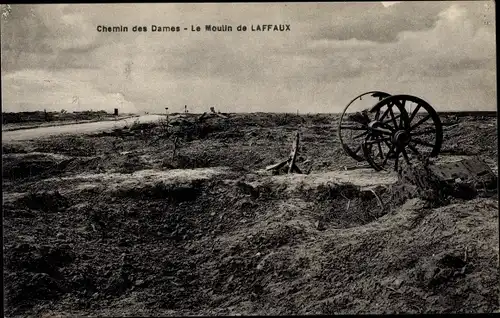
column 353, row 127
column 425, row 128
column 384, row 145
column 417, row 132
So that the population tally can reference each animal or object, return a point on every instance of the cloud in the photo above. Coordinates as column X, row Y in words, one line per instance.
column 44, row 36
column 36, row 90
column 454, row 44
column 389, row 3
column 372, row 21
column 444, row 51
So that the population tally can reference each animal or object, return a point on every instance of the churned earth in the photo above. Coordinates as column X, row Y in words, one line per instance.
column 157, row 220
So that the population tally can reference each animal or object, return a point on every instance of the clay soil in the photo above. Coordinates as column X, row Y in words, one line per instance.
column 121, row 224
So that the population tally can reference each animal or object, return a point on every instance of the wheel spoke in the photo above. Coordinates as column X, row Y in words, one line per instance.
column 397, row 160
column 420, row 122
column 380, row 150
column 402, row 106
column 371, row 142
column 389, row 120
column 419, row 133
column 378, row 141
column 414, row 113
column 415, row 150
column 391, row 149
column 385, row 113
column 388, row 144
column 387, row 126
column 393, row 119
column 421, row 142
column 357, row 149
column 360, row 135
column 405, row 155
column 352, row 127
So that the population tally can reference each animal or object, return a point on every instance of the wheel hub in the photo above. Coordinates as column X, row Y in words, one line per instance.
column 401, row 138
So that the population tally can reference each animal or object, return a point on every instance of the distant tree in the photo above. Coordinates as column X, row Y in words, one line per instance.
column 63, row 111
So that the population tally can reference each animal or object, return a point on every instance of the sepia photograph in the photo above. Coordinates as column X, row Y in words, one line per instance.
column 237, row 159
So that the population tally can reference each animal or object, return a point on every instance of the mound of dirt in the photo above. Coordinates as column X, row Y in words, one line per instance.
column 26, row 165
column 123, row 229
column 18, row 167
column 223, row 246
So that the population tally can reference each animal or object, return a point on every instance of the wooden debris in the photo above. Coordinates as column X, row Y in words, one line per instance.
column 212, row 113
column 473, row 169
column 436, row 183
column 202, row 116
column 222, row 116
column 175, row 147
column 378, row 198
column 277, row 165
column 293, row 154
column 212, row 109
column 292, row 166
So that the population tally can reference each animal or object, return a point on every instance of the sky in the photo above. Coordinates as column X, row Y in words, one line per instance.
column 53, row 57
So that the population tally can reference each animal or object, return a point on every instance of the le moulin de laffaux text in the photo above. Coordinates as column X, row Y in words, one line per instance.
column 196, row 28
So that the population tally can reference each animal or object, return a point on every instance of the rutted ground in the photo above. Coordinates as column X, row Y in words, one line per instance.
column 152, row 238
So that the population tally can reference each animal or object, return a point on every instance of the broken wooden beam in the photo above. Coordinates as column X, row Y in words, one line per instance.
column 212, row 109
column 277, row 165
column 221, row 116
column 202, row 116
column 293, row 154
column 291, row 161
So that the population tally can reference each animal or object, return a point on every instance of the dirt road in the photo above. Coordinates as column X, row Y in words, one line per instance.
column 28, row 134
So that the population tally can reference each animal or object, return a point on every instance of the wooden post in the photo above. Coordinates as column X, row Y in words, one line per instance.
column 293, row 154
column 175, row 147
column 166, row 124
column 292, row 167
